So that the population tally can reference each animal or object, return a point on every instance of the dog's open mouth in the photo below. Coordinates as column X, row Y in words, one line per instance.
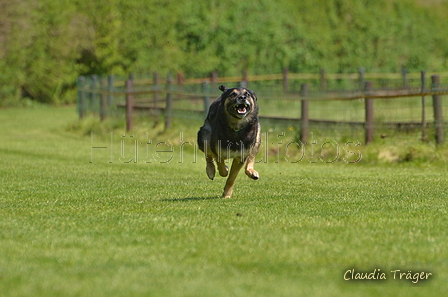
column 241, row 109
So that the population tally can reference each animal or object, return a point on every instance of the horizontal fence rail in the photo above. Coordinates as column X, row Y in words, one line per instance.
column 106, row 94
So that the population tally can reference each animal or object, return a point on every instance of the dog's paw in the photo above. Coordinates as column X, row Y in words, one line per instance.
column 210, row 170
column 227, row 194
column 223, row 170
column 253, row 174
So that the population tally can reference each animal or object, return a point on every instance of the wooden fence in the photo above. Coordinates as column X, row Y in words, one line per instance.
column 160, row 93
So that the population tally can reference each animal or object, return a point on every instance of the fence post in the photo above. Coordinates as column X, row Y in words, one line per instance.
column 81, row 97
column 437, row 104
column 423, row 90
column 244, row 83
column 214, row 78
column 361, row 72
column 285, row 79
column 368, row 86
column 168, row 102
column 404, row 74
column 93, row 89
column 156, row 89
column 206, row 90
column 129, row 108
column 323, row 80
column 304, row 114
column 103, row 98
column 180, row 84
column 110, row 96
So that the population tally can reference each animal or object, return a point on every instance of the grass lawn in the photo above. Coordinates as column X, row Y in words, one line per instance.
column 74, row 224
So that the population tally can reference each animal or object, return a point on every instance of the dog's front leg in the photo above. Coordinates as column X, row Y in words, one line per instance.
column 210, row 169
column 237, row 164
column 222, row 168
column 250, row 171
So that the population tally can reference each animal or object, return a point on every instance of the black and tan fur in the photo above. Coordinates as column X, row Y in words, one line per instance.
column 231, row 131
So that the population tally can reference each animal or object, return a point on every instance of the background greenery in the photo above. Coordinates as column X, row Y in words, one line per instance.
column 45, row 45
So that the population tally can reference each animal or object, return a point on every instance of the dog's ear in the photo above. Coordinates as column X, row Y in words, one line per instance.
column 222, row 88
column 253, row 95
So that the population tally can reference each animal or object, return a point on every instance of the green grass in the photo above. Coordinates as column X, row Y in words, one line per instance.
column 69, row 227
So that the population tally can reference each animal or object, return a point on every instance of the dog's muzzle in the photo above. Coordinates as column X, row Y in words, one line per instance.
column 242, row 107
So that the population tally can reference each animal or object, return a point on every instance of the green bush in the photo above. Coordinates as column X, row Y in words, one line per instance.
column 50, row 43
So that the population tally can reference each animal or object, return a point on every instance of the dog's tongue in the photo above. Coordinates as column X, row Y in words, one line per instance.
column 241, row 110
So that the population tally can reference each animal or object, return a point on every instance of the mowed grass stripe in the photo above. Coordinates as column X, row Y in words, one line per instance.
column 74, row 228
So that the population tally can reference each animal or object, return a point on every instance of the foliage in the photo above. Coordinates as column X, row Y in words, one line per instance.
column 47, row 44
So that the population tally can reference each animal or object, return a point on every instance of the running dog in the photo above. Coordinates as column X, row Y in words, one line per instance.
column 231, row 131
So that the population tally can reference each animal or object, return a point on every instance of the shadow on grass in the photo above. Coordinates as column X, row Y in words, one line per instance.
column 191, row 199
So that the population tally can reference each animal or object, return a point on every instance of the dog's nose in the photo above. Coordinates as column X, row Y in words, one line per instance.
column 243, row 100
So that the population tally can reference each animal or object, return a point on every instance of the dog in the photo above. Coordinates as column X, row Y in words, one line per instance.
column 231, row 130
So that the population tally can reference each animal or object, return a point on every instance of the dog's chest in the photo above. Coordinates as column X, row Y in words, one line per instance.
column 229, row 150
column 234, row 144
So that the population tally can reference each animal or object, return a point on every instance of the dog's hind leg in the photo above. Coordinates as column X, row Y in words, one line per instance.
column 237, row 164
